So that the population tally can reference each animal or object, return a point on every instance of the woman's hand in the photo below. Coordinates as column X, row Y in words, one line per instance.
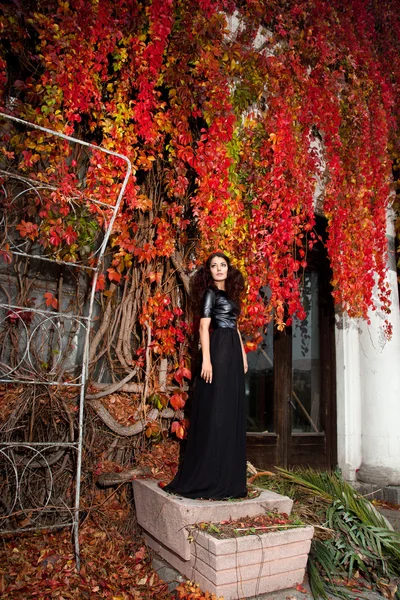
column 245, row 363
column 206, row 371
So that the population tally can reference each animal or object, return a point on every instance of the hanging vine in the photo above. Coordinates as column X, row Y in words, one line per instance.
column 220, row 106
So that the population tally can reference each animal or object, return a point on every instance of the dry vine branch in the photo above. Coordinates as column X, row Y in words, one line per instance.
column 138, row 427
column 105, row 324
column 109, row 479
column 114, row 387
column 177, row 261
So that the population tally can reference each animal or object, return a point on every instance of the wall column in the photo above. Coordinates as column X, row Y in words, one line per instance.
column 348, row 397
column 380, row 386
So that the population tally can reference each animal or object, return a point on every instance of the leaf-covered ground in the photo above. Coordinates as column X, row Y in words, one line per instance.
column 115, row 562
column 41, row 566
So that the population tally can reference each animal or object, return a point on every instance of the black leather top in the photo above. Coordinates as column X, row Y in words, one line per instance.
column 223, row 311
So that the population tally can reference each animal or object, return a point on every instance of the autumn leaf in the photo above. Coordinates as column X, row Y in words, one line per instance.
column 113, row 275
column 140, row 554
column 100, row 283
column 51, row 300
column 5, row 254
column 27, row 229
column 152, row 429
column 70, row 236
column 178, row 400
column 180, row 428
column 54, row 237
column 182, row 372
column 155, row 276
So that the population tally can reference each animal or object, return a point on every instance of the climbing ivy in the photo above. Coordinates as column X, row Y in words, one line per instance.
column 230, row 112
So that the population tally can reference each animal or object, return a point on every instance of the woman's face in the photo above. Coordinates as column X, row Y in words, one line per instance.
column 218, row 269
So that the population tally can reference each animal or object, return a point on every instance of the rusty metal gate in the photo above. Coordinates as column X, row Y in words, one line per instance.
column 45, row 343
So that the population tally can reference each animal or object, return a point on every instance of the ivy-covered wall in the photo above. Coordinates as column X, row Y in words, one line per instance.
column 218, row 104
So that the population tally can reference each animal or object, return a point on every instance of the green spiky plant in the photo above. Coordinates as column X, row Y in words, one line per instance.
column 360, row 545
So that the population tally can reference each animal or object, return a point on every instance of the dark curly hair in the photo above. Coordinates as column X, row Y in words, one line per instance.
column 202, row 280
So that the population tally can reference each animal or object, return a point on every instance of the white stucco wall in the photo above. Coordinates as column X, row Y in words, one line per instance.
column 368, row 394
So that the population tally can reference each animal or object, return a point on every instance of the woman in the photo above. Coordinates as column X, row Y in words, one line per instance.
column 214, row 465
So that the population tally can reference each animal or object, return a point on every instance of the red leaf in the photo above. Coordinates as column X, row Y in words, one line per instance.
column 181, row 373
column 140, row 554
column 100, row 283
column 54, row 237
column 179, row 428
column 50, row 300
column 5, row 254
column 155, row 276
column 70, row 236
column 178, row 400
column 113, row 275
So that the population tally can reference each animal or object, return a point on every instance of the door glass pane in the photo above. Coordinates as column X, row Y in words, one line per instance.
column 306, row 381
column 260, row 386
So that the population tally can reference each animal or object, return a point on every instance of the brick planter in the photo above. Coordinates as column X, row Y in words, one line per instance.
column 233, row 568
column 243, row 566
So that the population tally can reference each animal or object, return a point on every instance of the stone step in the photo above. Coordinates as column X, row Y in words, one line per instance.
column 393, row 516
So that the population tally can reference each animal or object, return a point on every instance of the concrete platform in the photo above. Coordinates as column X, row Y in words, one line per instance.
column 238, row 567
column 165, row 516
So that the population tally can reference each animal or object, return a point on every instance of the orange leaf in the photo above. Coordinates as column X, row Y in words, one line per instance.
column 100, row 283
column 50, row 300
column 180, row 428
column 27, row 229
column 178, row 400
column 113, row 275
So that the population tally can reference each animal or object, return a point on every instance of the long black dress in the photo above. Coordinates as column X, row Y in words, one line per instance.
column 214, row 464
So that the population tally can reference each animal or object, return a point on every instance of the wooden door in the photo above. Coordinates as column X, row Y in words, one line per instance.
column 290, row 387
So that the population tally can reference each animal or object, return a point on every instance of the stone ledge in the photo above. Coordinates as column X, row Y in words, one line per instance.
column 379, row 475
column 388, row 493
column 166, row 516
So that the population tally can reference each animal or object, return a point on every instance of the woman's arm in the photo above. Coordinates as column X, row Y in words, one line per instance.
column 206, row 367
column 245, row 364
